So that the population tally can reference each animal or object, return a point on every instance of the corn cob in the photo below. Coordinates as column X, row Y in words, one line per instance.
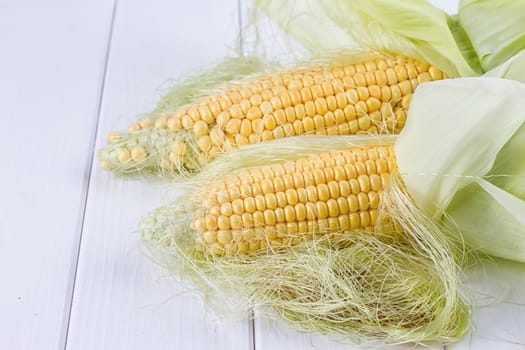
column 371, row 97
column 324, row 234
column 293, row 201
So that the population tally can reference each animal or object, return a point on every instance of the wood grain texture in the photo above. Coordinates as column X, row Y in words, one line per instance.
column 51, row 69
column 121, row 300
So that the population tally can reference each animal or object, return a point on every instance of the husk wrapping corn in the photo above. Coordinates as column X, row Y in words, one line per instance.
column 476, row 174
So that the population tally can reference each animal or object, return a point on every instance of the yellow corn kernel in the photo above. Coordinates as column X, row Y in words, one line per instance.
column 134, row 128
column 296, row 200
column 138, row 153
column 114, row 137
column 367, row 97
column 124, row 156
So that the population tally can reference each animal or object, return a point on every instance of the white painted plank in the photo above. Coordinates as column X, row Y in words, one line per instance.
column 498, row 293
column 119, row 301
column 276, row 334
column 51, row 68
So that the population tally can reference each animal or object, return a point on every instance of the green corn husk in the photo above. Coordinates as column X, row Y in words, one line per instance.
column 464, row 159
column 496, row 29
column 412, row 27
column 513, row 69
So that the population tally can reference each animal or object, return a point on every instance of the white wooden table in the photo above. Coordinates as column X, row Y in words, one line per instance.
column 72, row 275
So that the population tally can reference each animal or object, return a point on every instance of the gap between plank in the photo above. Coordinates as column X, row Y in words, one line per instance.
column 251, row 314
column 90, row 165
column 251, row 329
